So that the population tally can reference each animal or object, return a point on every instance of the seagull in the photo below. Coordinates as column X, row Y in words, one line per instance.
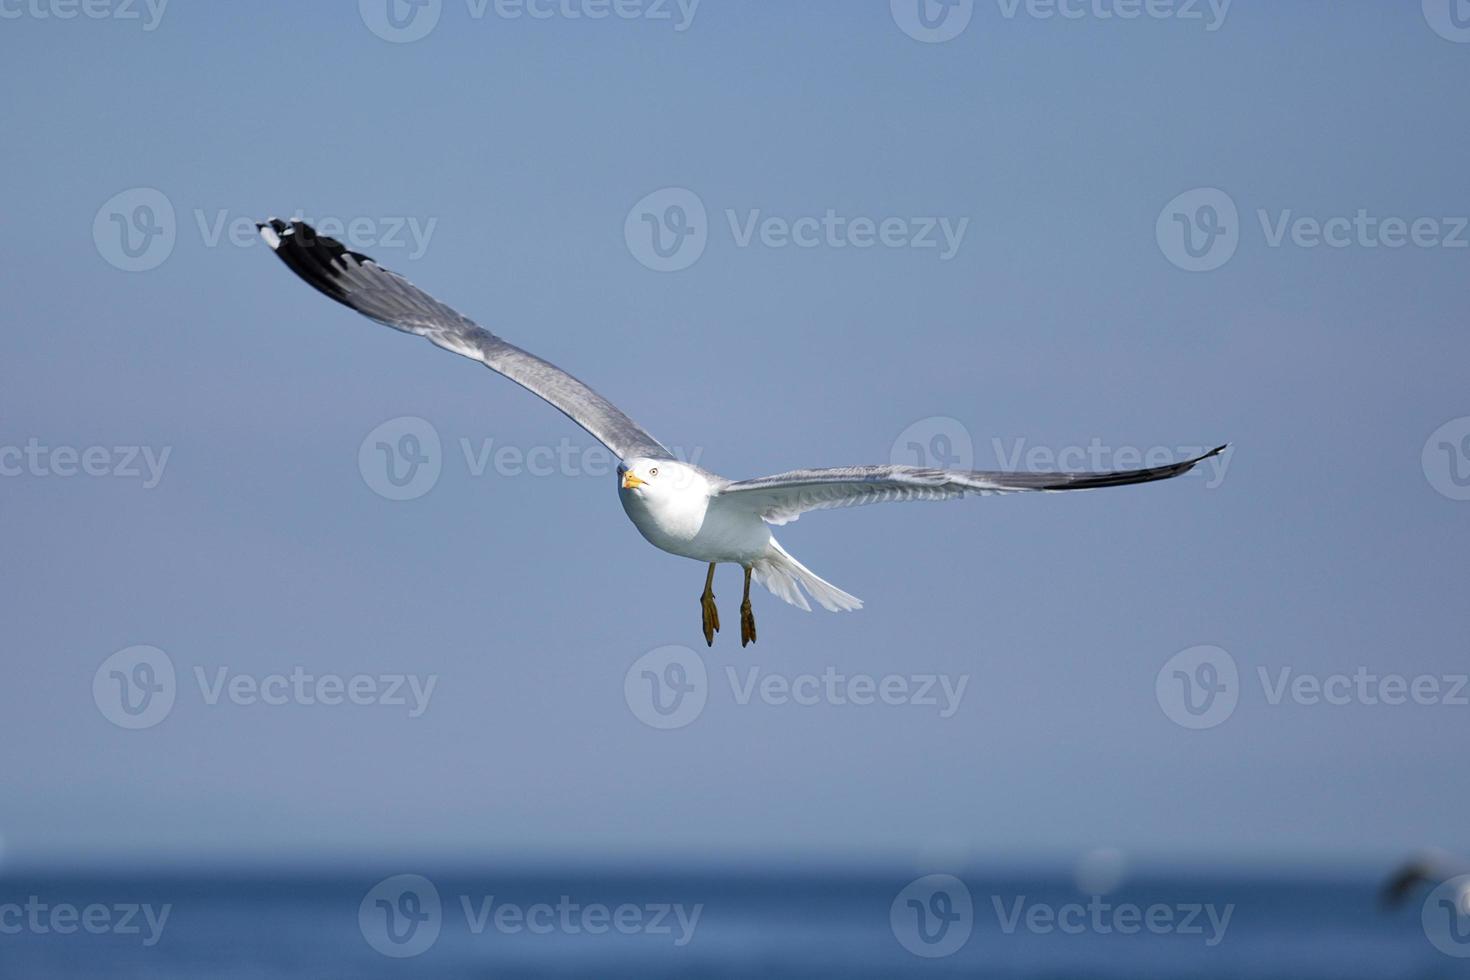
column 1430, row 868
column 677, row 506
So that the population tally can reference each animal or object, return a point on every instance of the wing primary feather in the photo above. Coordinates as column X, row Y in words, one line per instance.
column 359, row 283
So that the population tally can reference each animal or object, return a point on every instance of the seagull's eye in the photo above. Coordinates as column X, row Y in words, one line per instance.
column 653, row 472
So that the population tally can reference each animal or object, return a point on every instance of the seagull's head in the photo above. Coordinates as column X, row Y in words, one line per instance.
column 656, row 479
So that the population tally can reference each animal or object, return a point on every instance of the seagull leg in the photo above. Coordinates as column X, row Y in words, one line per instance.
column 708, row 608
column 747, row 618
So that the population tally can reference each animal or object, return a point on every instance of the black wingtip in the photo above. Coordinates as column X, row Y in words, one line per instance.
column 321, row 261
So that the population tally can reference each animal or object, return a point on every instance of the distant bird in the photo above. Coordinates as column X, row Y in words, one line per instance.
column 676, row 506
column 1427, row 870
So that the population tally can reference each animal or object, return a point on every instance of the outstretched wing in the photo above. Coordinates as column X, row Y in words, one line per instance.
column 786, row 496
column 357, row 281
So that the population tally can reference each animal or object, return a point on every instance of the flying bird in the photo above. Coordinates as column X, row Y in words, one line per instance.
column 1427, row 870
column 677, row 506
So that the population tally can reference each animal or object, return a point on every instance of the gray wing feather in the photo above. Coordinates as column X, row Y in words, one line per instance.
column 784, row 497
column 358, row 282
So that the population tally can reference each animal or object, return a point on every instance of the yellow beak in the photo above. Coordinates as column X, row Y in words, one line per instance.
column 630, row 481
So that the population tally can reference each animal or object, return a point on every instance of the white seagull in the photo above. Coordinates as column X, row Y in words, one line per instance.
column 677, row 506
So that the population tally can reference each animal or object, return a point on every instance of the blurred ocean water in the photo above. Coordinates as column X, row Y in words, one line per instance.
column 709, row 925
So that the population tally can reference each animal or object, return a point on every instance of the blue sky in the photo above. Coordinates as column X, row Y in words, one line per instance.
column 505, row 163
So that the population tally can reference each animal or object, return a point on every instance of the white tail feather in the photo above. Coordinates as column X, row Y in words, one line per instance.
column 785, row 577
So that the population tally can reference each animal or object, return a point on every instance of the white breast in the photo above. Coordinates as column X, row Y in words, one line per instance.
column 690, row 524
